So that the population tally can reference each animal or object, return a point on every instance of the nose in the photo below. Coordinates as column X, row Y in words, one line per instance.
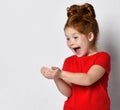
column 71, row 42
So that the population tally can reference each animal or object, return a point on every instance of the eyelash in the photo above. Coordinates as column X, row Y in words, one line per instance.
column 69, row 38
column 75, row 37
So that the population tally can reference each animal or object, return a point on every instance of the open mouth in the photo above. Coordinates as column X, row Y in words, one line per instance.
column 77, row 50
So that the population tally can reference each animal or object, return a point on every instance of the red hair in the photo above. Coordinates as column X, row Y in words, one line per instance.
column 83, row 19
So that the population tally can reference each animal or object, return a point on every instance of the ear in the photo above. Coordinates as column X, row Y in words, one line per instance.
column 90, row 36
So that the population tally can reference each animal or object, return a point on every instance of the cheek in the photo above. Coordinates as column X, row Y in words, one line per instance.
column 85, row 45
column 67, row 43
column 85, row 41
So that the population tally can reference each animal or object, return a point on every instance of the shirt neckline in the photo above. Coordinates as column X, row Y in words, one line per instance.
column 90, row 55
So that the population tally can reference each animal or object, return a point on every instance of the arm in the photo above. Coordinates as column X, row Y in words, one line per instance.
column 84, row 79
column 61, row 78
column 63, row 87
column 53, row 73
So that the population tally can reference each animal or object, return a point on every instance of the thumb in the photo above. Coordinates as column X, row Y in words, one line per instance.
column 54, row 68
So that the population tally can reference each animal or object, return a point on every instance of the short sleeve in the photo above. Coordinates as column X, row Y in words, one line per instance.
column 104, row 60
column 65, row 65
column 68, row 63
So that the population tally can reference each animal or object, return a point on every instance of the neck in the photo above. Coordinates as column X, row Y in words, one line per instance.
column 92, row 51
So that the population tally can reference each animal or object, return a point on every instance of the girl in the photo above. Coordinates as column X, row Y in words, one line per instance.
column 84, row 76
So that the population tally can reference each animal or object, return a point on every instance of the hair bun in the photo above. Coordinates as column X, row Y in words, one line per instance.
column 89, row 10
column 84, row 11
column 73, row 10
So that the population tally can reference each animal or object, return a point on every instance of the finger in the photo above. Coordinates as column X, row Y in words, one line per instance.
column 44, row 69
column 54, row 68
column 48, row 75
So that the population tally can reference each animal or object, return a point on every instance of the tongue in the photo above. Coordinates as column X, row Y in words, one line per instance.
column 78, row 51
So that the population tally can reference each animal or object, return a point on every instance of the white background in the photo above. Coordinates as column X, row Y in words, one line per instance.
column 31, row 35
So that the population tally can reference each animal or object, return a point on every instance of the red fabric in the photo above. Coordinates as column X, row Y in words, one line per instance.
column 93, row 97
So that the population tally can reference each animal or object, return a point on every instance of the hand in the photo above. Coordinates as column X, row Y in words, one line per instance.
column 52, row 73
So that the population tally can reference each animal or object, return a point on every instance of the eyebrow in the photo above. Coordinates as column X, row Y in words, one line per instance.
column 75, row 33
column 72, row 34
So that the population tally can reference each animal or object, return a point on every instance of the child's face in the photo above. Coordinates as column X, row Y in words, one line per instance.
column 77, row 42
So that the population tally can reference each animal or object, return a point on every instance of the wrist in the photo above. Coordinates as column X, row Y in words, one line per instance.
column 61, row 74
column 58, row 72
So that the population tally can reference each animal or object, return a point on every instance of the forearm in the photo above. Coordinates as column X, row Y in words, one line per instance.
column 84, row 79
column 79, row 78
column 63, row 87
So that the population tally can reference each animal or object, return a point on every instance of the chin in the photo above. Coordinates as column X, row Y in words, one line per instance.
column 79, row 55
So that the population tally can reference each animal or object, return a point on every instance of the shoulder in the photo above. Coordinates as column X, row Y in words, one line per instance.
column 73, row 57
column 103, row 59
column 68, row 63
column 103, row 54
column 70, row 59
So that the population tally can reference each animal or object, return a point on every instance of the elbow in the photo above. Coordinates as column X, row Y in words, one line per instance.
column 66, row 93
column 89, row 82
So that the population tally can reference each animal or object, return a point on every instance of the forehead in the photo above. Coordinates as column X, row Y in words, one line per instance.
column 69, row 31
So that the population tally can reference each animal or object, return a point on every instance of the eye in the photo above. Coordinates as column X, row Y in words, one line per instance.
column 75, row 37
column 67, row 39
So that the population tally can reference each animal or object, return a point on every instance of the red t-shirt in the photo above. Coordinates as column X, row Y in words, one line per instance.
column 95, row 96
